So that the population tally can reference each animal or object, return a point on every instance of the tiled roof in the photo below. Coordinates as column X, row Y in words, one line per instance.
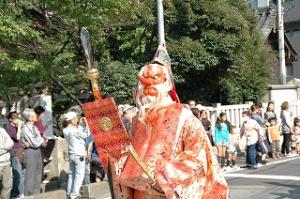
column 291, row 13
column 267, row 21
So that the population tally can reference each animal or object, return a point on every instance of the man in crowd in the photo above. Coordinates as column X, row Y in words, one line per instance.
column 14, row 131
column 6, row 144
column 253, row 133
column 256, row 115
column 75, row 136
column 32, row 140
column 171, row 141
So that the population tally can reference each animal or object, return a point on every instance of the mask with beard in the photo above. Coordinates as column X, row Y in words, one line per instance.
column 153, row 89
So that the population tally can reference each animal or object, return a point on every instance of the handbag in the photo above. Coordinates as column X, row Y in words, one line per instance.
column 20, row 154
column 264, row 147
column 293, row 138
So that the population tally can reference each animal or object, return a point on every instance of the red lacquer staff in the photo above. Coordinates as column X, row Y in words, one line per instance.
column 103, row 117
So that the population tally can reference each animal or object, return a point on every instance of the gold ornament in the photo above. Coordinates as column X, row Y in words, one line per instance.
column 106, row 124
column 93, row 74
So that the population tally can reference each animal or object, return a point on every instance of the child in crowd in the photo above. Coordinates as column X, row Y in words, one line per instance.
column 231, row 149
column 297, row 133
column 294, row 138
column 293, row 145
column 221, row 137
column 274, row 137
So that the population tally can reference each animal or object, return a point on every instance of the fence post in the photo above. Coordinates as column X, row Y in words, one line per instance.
column 218, row 109
column 298, row 108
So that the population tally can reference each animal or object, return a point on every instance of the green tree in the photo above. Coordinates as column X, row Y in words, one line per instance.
column 215, row 46
column 217, row 52
column 40, row 41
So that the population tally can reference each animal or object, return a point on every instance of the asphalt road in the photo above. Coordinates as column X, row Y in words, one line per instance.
column 277, row 180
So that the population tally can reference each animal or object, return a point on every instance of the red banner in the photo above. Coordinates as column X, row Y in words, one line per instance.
column 106, row 126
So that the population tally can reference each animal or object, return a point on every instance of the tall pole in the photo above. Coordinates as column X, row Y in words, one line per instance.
column 160, row 23
column 281, row 43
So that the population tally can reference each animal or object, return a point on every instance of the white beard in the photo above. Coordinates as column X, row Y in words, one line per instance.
column 146, row 103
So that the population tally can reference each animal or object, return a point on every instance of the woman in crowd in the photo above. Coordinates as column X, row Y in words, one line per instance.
column 287, row 126
column 46, row 152
column 202, row 116
column 204, row 120
column 33, row 141
column 207, row 125
column 221, row 137
column 196, row 112
column 39, row 110
column 270, row 112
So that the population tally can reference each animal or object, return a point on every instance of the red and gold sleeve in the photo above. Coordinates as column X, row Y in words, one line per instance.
column 194, row 171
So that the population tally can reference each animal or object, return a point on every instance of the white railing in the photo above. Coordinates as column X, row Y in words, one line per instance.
column 234, row 112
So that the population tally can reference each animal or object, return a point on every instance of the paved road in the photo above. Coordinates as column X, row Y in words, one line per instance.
column 278, row 180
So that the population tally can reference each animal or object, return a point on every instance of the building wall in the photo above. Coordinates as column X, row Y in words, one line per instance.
column 255, row 4
column 294, row 37
column 292, row 28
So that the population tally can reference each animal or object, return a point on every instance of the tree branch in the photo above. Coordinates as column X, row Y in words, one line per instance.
column 62, row 86
column 63, row 47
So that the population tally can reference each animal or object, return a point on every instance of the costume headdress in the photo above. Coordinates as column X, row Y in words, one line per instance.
column 162, row 58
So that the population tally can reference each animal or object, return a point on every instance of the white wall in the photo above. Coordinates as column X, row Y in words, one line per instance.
column 281, row 95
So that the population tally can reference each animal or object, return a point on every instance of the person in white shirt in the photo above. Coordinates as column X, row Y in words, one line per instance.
column 75, row 136
column 6, row 144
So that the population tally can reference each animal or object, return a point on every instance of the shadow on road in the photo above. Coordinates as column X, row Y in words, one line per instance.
column 290, row 191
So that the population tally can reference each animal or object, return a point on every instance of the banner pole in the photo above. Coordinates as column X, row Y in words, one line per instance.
column 160, row 23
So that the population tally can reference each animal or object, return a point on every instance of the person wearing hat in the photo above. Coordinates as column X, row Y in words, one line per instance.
column 75, row 136
column 32, row 141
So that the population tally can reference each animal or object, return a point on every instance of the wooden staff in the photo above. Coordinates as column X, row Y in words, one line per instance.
column 93, row 73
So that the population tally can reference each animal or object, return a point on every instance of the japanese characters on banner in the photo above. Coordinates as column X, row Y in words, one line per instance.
column 106, row 126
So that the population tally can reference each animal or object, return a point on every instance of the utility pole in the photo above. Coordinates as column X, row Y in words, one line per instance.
column 160, row 23
column 281, row 52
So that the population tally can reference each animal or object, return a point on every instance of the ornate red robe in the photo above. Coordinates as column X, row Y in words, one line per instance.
column 178, row 152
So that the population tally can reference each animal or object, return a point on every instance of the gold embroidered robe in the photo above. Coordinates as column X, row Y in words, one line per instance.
column 178, row 152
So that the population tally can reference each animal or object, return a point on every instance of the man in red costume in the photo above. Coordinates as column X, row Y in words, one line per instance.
column 172, row 143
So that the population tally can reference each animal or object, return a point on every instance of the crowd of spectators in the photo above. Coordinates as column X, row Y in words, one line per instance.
column 266, row 135
column 24, row 150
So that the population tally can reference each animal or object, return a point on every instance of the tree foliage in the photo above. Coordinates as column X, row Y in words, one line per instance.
column 215, row 46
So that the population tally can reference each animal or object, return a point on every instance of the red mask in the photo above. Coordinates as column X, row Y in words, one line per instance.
column 152, row 75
